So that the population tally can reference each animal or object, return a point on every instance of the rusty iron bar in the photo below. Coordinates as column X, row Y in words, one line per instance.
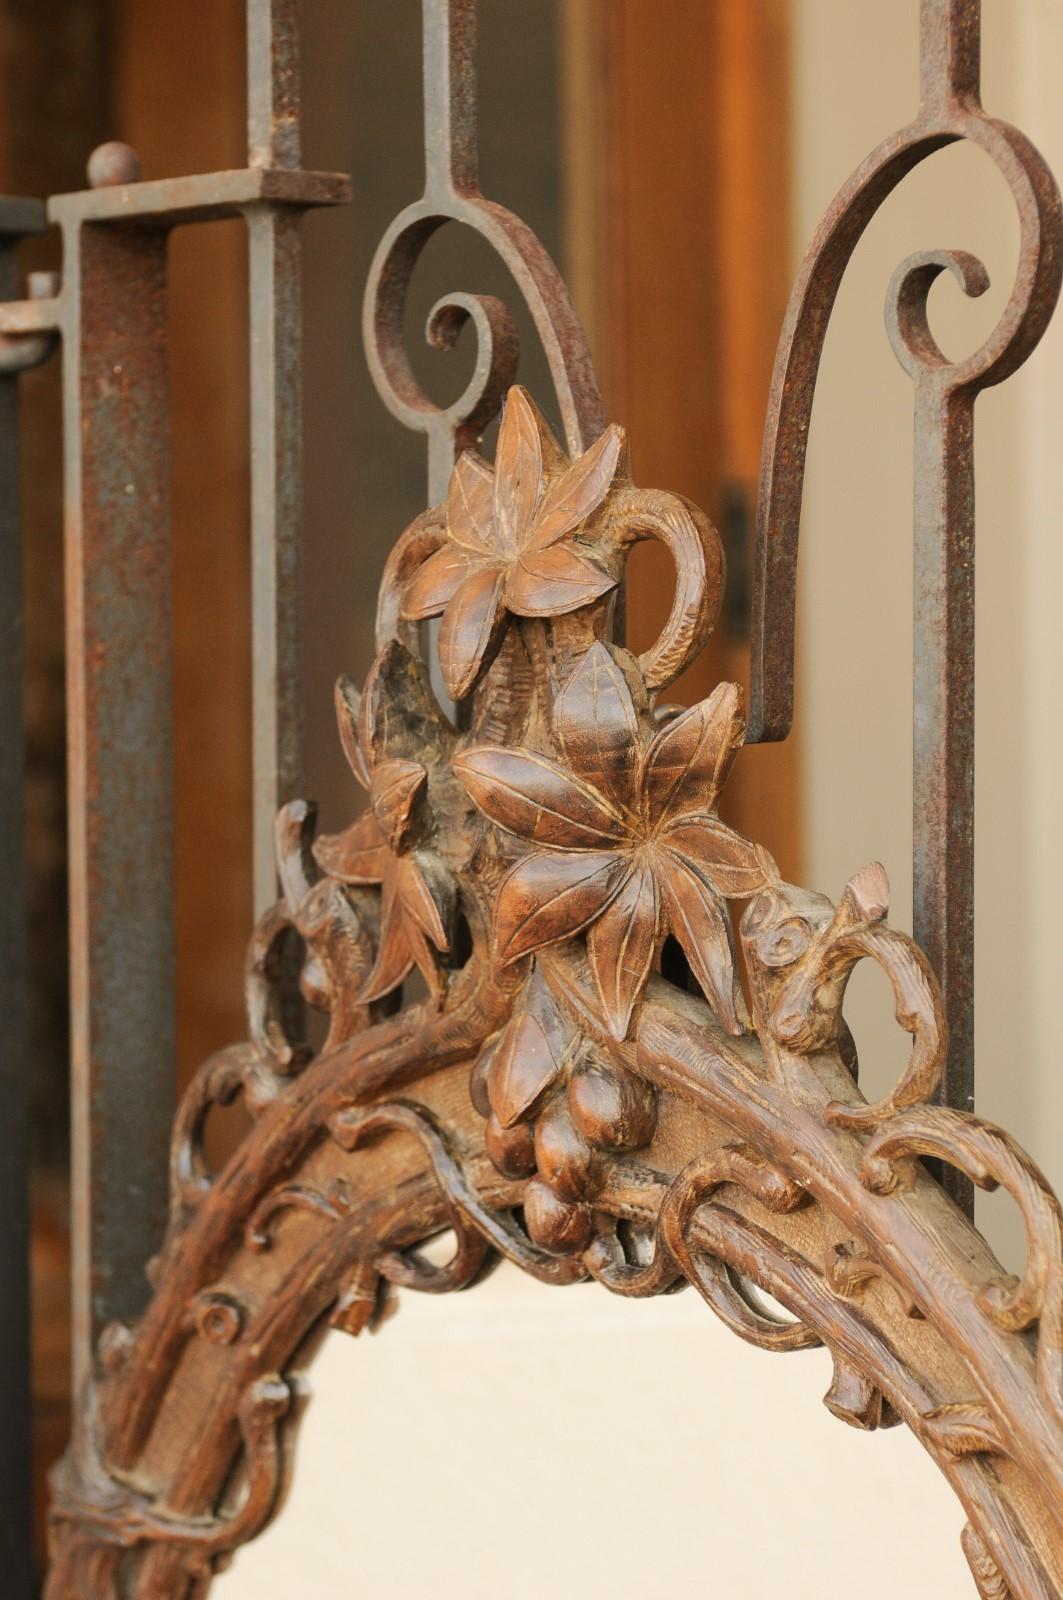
column 18, row 218
column 275, row 290
column 943, row 723
column 119, row 760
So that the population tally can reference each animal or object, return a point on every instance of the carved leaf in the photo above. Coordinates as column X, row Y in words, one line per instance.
column 734, row 866
column 621, row 946
column 395, row 786
column 531, row 796
column 549, row 897
column 400, row 715
column 989, row 1580
column 579, row 491
column 868, row 891
column 394, row 957
column 522, row 1066
column 357, row 855
column 426, row 895
column 596, row 723
column 425, row 906
column 964, row 1428
column 348, row 718
column 691, row 756
column 426, row 961
column 540, row 1003
column 699, row 920
column 470, row 505
column 435, row 583
column 471, row 626
column 549, row 583
column 518, row 470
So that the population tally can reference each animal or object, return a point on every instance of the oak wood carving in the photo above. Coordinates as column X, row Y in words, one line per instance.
column 596, row 1085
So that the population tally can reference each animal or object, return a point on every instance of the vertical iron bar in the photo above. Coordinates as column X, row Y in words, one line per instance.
column 117, row 485
column 451, row 167
column 16, row 1453
column 451, row 145
column 943, row 620
column 451, row 162
column 943, row 728
column 276, row 434
column 273, row 129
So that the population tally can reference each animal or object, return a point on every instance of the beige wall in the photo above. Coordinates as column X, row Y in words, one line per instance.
column 712, row 1457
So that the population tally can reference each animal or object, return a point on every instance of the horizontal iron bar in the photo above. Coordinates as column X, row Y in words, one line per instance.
column 31, row 316
column 201, row 197
column 19, row 216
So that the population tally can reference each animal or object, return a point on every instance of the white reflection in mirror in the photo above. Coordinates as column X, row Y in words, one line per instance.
column 524, row 1440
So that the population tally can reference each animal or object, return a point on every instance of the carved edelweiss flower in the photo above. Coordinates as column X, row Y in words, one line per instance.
column 630, row 846
column 553, row 1103
column 382, row 845
column 512, row 540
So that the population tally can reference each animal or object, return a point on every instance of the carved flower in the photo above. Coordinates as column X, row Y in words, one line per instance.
column 512, row 540
column 381, row 847
column 553, row 1103
column 629, row 843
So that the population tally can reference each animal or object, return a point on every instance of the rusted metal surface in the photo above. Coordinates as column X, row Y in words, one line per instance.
column 119, row 763
column 17, row 218
column 943, row 724
column 276, row 433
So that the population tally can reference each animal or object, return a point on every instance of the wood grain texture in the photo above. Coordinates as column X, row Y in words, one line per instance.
column 569, row 1095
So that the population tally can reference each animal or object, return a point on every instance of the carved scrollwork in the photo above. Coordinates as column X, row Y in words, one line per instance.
column 991, row 1158
column 94, row 1516
column 555, row 1099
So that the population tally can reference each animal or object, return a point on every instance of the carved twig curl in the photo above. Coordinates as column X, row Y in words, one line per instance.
column 351, row 1128
column 674, row 1254
column 695, row 548
column 990, row 1157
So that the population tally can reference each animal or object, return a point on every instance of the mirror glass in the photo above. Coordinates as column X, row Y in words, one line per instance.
column 522, row 1440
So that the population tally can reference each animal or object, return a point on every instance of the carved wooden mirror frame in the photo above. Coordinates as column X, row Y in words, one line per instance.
column 598, row 1083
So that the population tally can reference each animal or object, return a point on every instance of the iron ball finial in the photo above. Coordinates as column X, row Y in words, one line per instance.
column 112, row 164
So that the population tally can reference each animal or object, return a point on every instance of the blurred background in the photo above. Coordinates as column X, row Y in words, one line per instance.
column 674, row 158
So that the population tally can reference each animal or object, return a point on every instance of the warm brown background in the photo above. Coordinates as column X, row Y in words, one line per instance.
column 645, row 144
